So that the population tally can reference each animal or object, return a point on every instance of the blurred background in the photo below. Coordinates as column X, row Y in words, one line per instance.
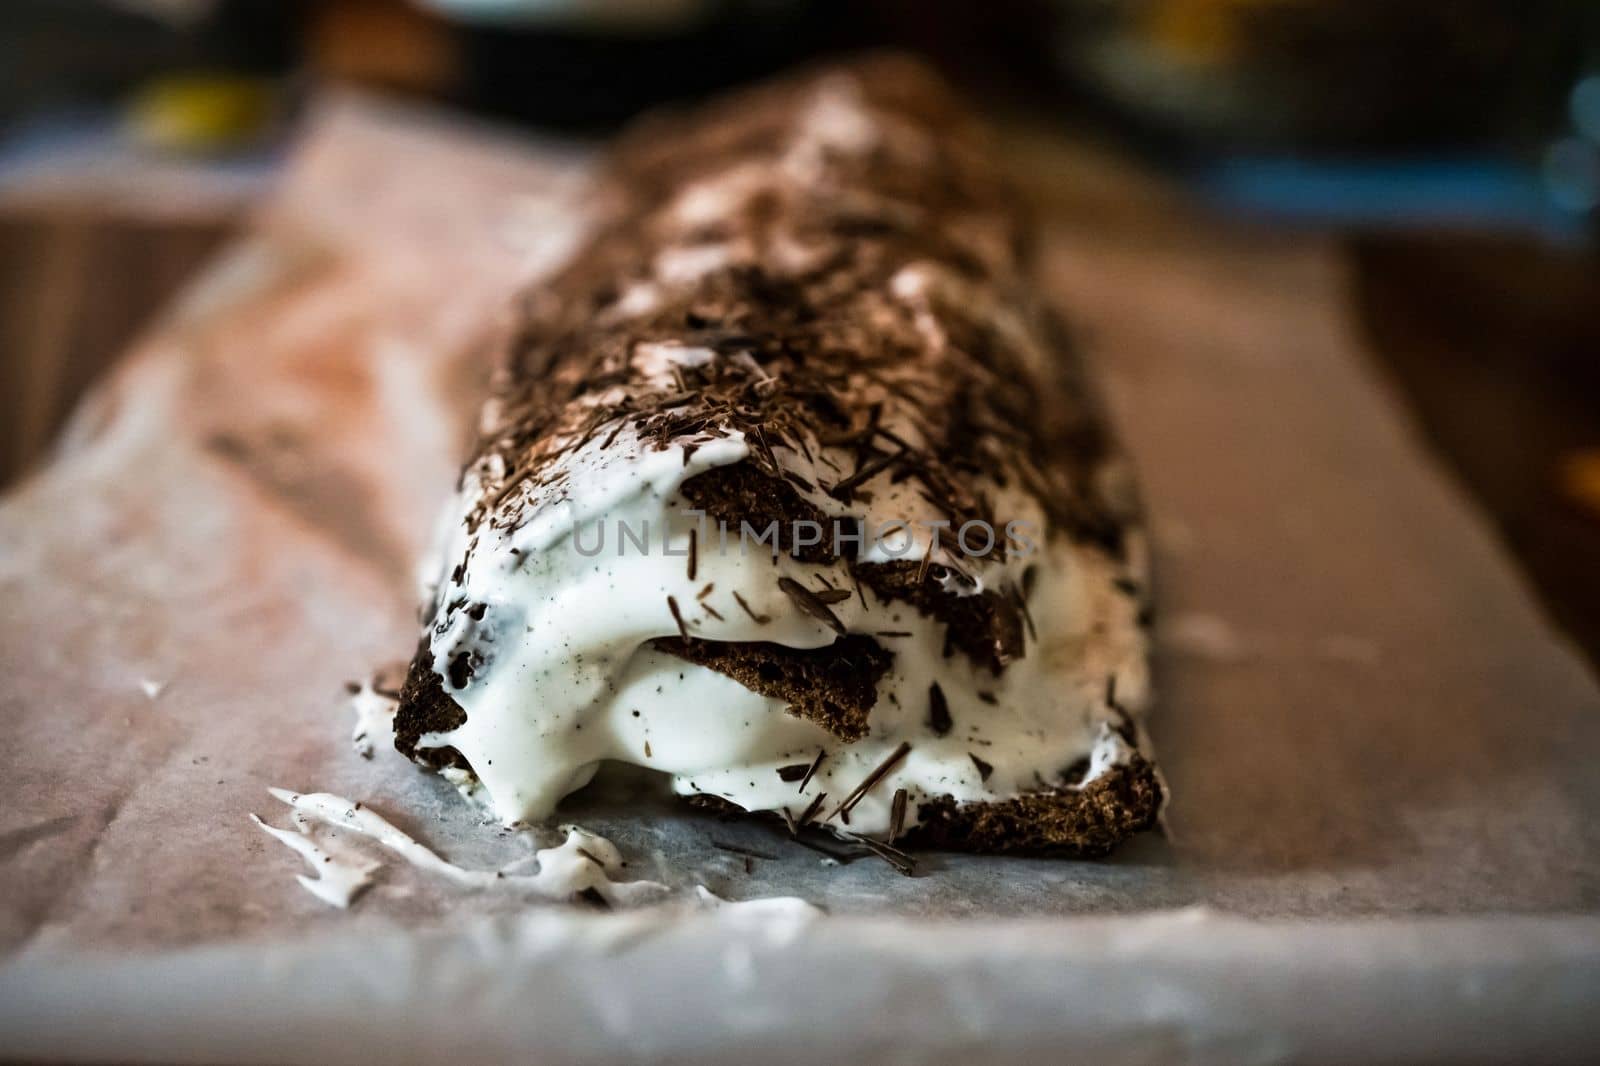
column 1452, row 145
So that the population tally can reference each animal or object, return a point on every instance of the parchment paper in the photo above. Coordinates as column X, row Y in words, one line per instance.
column 1363, row 717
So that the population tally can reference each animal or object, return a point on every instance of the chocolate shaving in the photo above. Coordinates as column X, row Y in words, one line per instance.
column 843, row 489
column 812, row 769
column 897, row 815
column 758, row 619
column 677, row 616
column 818, row 842
column 938, row 711
column 984, row 769
column 810, row 603
column 766, row 450
column 1022, row 607
column 832, row 596
column 811, row 810
column 513, row 482
column 793, row 772
column 903, row 864
column 737, row 849
column 882, row 771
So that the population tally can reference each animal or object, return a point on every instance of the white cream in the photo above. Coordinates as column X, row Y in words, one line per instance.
column 583, row 861
column 340, row 877
column 374, row 713
column 770, row 913
column 568, row 679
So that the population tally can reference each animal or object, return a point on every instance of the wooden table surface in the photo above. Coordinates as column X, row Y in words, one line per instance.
column 1492, row 342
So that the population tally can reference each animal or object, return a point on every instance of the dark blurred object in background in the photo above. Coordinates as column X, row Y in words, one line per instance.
column 1354, row 112
column 559, row 65
column 79, row 52
column 1321, row 75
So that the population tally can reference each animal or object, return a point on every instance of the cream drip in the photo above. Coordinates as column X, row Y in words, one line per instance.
column 582, row 862
column 340, row 877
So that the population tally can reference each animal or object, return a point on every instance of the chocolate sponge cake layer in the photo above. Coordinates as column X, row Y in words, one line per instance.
column 834, row 686
column 809, row 306
column 1083, row 823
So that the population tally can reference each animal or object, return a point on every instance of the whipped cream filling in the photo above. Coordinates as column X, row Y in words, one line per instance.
column 548, row 648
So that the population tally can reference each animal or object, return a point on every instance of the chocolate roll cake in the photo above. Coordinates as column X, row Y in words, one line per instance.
column 791, row 489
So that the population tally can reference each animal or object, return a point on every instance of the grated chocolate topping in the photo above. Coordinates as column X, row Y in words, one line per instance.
column 848, row 258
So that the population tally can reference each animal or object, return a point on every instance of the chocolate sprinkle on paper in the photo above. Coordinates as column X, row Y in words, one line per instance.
column 794, row 772
column 984, row 769
column 749, row 853
column 903, row 864
column 826, row 844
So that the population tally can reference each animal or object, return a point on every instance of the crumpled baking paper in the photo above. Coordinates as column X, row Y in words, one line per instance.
column 1382, row 757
